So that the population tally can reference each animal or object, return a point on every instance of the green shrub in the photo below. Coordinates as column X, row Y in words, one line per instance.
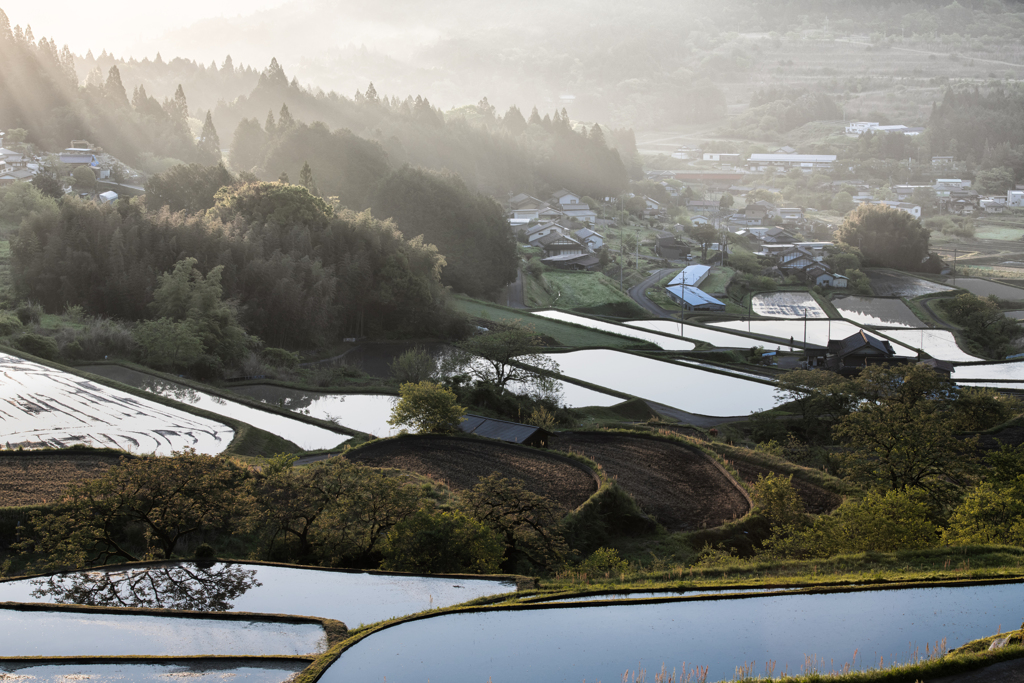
column 280, row 358
column 37, row 345
column 30, row 313
column 9, row 323
column 447, row 542
column 604, row 561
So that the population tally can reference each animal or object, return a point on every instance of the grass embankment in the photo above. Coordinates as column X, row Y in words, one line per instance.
column 554, row 332
column 579, row 291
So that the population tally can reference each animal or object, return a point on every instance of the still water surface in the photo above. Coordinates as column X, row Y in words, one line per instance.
column 818, row 331
column 306, row 436
column 667, row 343
column 686, row 388
column 245, row 671
column 32, row 634
column 352, row 597
column 578, row 644
column 43, row 407
column 940, row 344
column 713, row 337
column 367, row 413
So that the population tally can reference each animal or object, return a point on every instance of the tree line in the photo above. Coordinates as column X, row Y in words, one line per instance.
column 299, row 272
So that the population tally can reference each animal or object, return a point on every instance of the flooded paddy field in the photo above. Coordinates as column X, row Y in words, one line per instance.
column 818, row 331
column 686, row 388
column 985, row 288
column 367, row 413
column 895, row 283
column 349, row 596
column 1013, row 370
column 306, row 436
column 35, row 634
column 245, row 671
column 668, row 343
column 940, row 344
column 876, row 311
column 787, row 305
column 601, row 643
column 43, row 407
column 714, row 337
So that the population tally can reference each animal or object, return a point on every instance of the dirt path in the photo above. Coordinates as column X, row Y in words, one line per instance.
column 459, row 463
column 678, row 486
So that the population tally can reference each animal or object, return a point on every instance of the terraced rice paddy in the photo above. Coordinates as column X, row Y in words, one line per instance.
column 599, row 643
column 876, row 311
column 787, row 305
column 349, row 596
column 723, row 340
column 306, row 436
column 895, row 283
column 42, row 407
column 940, row 344
column 367, row 413
column 90, row 633
column 1013, row 370
column 31, row 478
column 690, row 389
column 818, row 332
column 986, row 288
column 244, row 671
column 668, row 343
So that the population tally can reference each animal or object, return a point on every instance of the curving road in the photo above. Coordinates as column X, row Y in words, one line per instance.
column 636, row 293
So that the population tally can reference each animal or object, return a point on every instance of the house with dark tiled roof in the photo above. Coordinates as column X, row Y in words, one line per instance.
column 557, row 244
column 850, row 355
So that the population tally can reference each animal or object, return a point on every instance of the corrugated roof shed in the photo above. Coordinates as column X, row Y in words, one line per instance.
column 502, row 430
column 690, row 275
column 693, row 296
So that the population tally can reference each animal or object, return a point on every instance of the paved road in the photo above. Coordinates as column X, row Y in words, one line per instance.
column 637, row 293
column 514, row 296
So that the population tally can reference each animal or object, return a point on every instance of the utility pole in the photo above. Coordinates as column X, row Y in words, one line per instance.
column 805, row 331
column 638, row 250
column 954, row 267
column 620, row 248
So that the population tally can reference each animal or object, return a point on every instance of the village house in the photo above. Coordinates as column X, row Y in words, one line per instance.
column 557, row 244
column 669, row 247
column 848, row 356
column 573, row 262
column 591, row 239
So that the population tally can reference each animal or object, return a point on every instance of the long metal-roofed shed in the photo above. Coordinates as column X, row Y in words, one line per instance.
column 694, row 299
column 503, row 430
column 691, row 276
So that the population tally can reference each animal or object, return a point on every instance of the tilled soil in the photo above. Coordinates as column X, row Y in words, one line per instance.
column 678, row 486
column 36, row 479
column 816, row 499
column 460, row 463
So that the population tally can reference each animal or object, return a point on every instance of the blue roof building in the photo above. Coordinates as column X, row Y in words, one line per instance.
column 694, row 299
column 691, row 276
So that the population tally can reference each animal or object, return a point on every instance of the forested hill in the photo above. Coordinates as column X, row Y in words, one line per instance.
column 493, row 152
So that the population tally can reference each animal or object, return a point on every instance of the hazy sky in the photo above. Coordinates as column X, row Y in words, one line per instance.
column 125, row 28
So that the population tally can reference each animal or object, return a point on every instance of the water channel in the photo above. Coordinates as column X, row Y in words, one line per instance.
column 306, row 436
column 575, row 644
column 43, row 407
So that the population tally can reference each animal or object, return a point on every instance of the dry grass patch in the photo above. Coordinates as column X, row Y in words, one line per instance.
column 33, row 479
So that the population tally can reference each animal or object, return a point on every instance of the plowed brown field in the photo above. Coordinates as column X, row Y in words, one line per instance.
column 678, row 486
column 27, row 479
column 816, row 499
column 459, row 463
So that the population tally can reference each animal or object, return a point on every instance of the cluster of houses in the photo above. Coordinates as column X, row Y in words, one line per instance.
column 20, row 167
column 561, row 206
column 561, row 227
column 858, row 128
column 806, row 260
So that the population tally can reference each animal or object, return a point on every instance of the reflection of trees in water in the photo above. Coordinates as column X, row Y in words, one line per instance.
column 178, row 392
column 185, row 586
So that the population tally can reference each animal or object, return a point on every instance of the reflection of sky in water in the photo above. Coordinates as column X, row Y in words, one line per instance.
column 818, row 331
column 32, row 634
column 690, row 389
column 367, row 413
column 664, row 342
column 234, row 671
column 939, row 344
column 876, row 312
column 43, row 407
column 600, row 643
column 787, row 305
column 1018, row 386
column 306, row 436
column 352, row 597
column 1012, row 370
column 713, row 337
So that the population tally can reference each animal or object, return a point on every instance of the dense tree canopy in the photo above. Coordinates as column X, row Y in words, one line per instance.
column 886, row 237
